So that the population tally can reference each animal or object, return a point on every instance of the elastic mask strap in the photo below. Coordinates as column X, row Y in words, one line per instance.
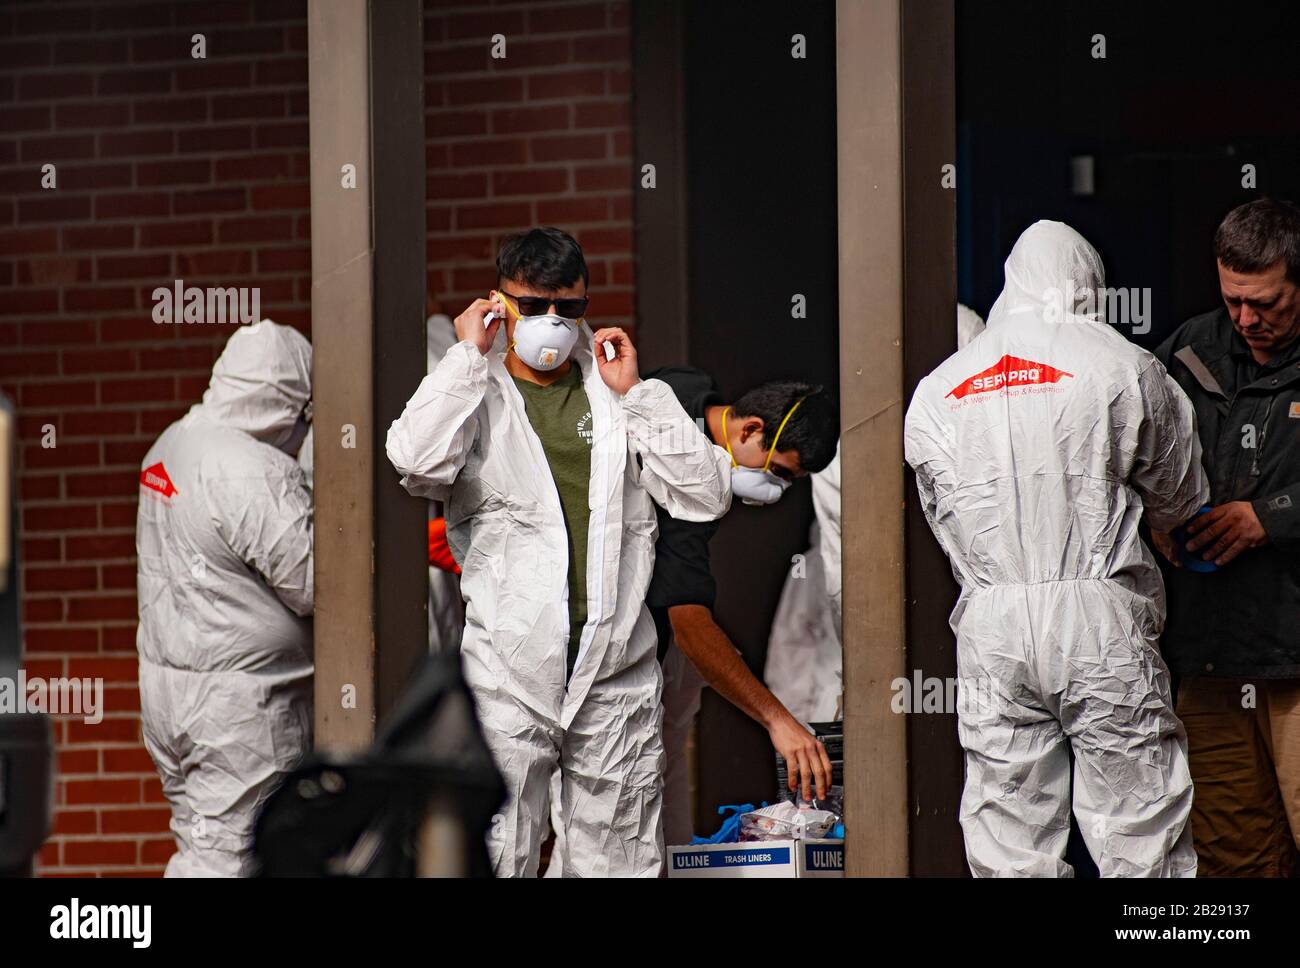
column 510, row 309
column 734, row 462
column 768, row 462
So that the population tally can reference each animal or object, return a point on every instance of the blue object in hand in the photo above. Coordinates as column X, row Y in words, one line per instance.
column 1192, row 560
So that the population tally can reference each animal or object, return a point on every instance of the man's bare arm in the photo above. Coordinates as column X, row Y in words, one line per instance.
column 717, row 661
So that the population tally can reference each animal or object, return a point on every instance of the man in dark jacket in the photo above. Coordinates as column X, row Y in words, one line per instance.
column 1233, row 635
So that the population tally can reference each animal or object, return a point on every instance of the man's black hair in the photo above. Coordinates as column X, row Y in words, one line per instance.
column 543, row 258
column 1258, row 235
column 812, row 431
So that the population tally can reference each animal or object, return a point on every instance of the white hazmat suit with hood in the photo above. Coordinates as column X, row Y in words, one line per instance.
column 465, row 439
column 1037, row 449
column 224, row 539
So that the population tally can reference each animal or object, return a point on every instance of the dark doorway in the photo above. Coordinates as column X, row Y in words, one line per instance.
column 1179, row 104
column 760, row 215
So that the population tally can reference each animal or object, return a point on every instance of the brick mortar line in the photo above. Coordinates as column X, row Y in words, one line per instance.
column 553, row 133
column 530, row 166
column 277, row 275
column 492, row 72
column 489, row 71
column 131, row 97
column 236, row 124
column 130, row 65
column 242, row 124
column 128, row 32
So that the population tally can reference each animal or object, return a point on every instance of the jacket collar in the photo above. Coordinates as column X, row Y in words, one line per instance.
column 1215, row 351
column 1209, row 357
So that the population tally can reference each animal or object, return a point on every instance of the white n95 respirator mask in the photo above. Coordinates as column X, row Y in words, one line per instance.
column 544, row 342
column 757, row 485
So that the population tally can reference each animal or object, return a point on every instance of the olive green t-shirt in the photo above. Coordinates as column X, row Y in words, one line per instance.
column 561, row 418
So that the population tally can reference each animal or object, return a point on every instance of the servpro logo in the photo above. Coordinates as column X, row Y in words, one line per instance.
column 1010, row 371
column 155, row 478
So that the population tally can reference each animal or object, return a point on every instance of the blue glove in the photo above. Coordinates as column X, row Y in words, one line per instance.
column 729, row 832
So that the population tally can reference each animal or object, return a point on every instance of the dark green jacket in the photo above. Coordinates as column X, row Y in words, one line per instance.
column 1243, row 620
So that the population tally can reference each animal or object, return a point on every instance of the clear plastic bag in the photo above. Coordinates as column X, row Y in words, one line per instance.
column 798, row 820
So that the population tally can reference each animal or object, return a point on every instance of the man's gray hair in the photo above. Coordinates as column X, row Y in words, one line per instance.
column 1258, row 235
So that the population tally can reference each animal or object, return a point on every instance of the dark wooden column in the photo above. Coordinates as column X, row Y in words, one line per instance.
column 897, row 320
column 929, row 337
column 368, row 278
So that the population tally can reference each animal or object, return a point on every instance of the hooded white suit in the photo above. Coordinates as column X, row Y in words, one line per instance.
column 1037, row 449
column 224, row 539
column 465, row 439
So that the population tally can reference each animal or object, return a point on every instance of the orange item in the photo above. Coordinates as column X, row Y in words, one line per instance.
column 439, row 551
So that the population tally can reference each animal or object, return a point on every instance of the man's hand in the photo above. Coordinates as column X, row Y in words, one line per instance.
column 620, row 374
column 1164, row 543
column 1226, row 532
column 805, row 756
column 721, row 666
column 469, row 324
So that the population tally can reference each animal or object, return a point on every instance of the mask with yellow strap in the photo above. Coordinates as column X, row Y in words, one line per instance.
column 543, row 342
column 755, row 485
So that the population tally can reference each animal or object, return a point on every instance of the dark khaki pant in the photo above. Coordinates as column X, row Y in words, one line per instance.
column 1245, row 766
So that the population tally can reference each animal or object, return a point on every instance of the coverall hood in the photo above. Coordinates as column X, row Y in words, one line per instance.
column 1051, row 268
column 261, row 384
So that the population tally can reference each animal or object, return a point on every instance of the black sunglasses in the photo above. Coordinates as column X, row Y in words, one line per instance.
column 540, row 305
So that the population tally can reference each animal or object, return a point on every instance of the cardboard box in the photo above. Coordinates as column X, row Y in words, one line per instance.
column 821, row 858
column 760, row 858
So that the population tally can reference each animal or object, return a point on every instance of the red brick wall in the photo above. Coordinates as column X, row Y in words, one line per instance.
column 170, row 168
column 541, row 136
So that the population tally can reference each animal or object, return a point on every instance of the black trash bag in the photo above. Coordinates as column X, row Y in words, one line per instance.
column 361, row 816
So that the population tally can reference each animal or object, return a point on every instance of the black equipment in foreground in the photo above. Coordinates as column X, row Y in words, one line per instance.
column 418, row 803
column 26, row 738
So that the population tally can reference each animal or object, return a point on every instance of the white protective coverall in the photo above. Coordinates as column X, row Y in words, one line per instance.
column 804, row 665
column 969, row 325
column 307, row 458
column 224, row 538
column 826, row 507
column 465, row 439
column 1037, row 449
column 446, row 610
